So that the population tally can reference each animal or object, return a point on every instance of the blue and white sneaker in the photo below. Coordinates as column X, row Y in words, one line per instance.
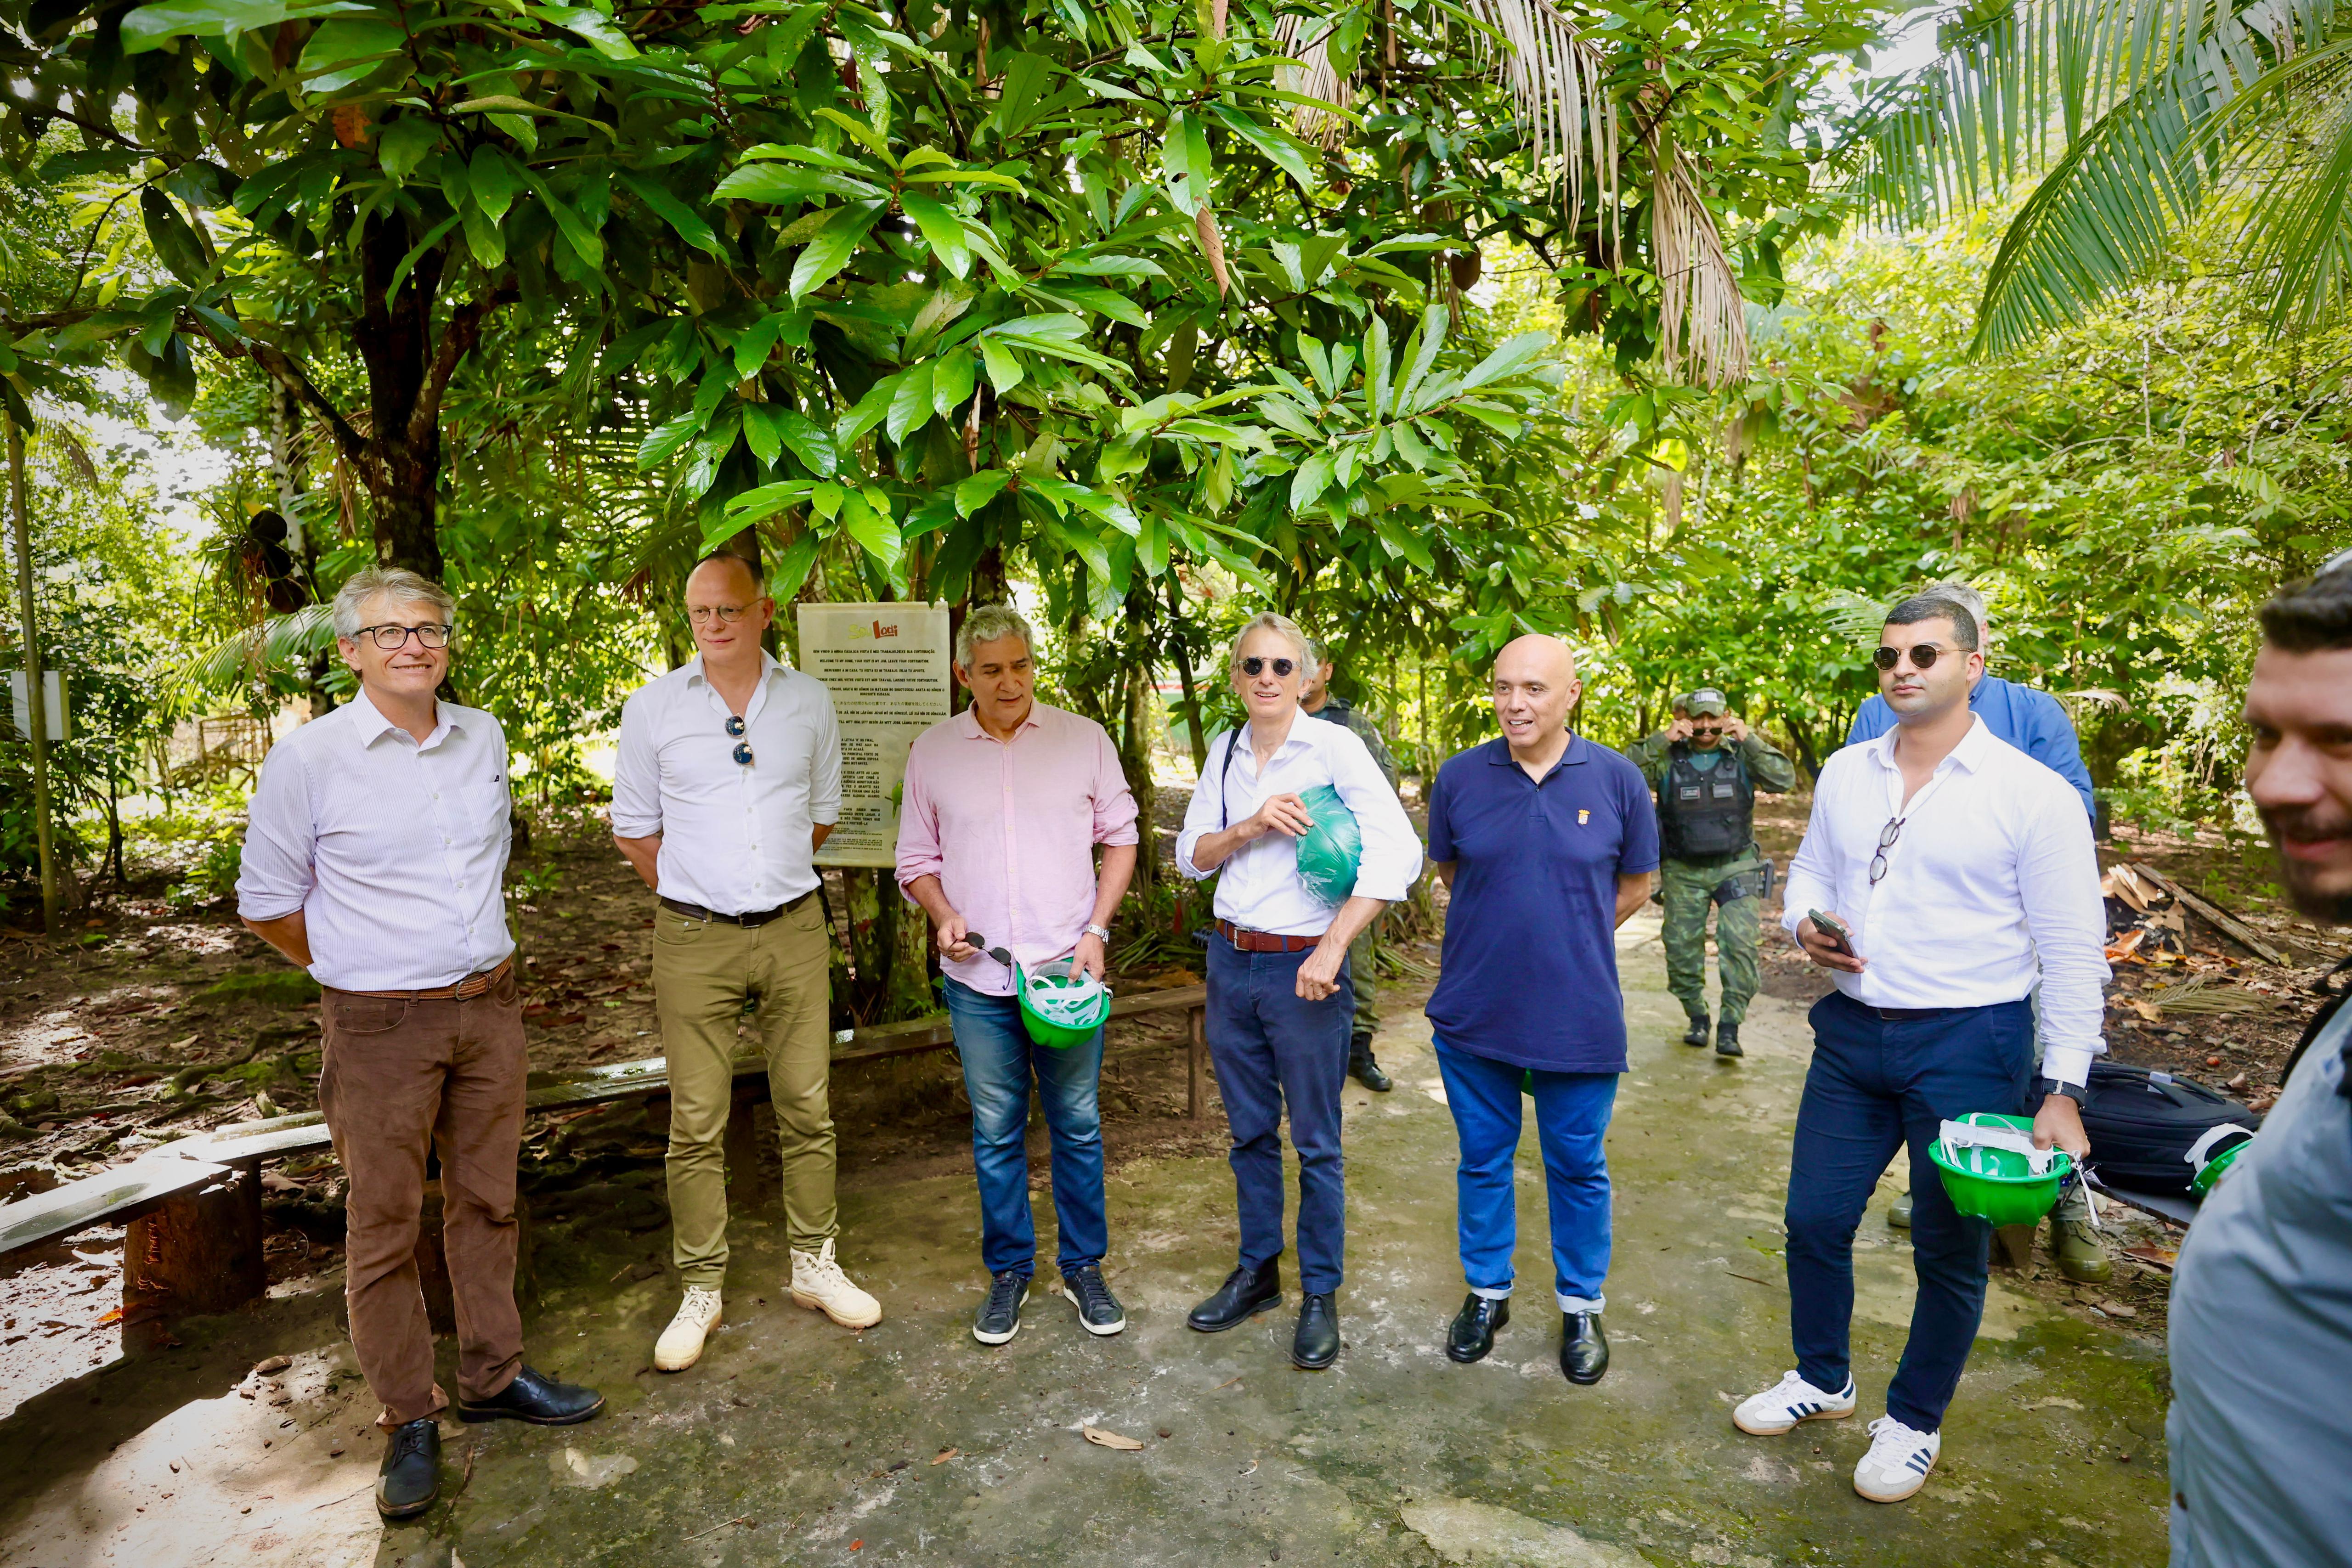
column 1787, row 1402
column 1898, row 1461
column 999, row 1318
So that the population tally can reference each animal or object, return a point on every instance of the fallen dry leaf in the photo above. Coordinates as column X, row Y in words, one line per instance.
column 2161, row 1257
column 273, row 1365
column 943, row 1456
column 1101, row 1438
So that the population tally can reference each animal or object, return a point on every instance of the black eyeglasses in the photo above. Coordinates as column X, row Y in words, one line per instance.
column 1256, row 666
column 391, row 639
column 743, row 746
column 1886, row 837
column 1923, row 656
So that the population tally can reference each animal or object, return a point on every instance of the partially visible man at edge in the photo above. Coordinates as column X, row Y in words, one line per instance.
column 2036, row 724
column 2261, row 1358
column 375, row 858
column 1315, row 696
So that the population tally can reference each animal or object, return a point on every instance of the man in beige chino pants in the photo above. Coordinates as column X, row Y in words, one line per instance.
column 727, row 779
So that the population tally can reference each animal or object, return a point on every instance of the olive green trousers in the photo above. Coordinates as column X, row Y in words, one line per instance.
column 1689, row 889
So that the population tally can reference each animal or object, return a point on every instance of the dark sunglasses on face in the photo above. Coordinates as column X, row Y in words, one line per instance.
column 1256, row 666
column 1923, row 656
column 742, row 747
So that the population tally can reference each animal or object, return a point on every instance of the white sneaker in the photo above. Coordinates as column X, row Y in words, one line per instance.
column 1787, row 1402
column 1898, row 1461
column 819, row 1285
column 680, row 1345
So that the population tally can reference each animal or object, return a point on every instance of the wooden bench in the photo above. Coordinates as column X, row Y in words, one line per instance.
column 192, row 1208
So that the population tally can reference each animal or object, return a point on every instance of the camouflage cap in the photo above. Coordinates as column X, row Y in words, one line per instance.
column 1706, row 700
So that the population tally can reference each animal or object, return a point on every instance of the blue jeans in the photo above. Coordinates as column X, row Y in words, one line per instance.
column 1274, row 1051
column 1571, row 1121
column 998, row 1058
column 1875, row 1083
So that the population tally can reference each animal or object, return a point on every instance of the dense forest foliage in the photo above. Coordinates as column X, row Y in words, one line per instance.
column 1427, row 323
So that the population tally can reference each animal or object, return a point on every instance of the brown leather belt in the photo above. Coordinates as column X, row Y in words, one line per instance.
column 754, row 917
column 466, row 989
column 1265, row 941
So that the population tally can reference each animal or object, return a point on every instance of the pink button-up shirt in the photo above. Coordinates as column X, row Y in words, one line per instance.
column 1009, row 829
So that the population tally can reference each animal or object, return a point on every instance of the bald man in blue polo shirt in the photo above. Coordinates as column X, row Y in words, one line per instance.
column 1546, row 842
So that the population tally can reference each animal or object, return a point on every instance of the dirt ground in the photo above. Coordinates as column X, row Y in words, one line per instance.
column 152, row 1023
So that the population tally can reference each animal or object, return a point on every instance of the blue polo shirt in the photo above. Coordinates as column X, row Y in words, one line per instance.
column 1528, row 972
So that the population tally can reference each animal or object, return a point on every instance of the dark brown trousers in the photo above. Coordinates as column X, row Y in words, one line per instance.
column 402, row 1075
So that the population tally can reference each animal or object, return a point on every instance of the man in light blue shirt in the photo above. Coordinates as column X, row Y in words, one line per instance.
column 2032, row 721
column 2035, row 723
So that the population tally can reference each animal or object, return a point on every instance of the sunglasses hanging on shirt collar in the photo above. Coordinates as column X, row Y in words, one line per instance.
column 743, row 746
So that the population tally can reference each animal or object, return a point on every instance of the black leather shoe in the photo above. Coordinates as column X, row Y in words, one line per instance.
column 410, row 1476
column 1583, row 1348
column 1727, row 1040
column 1472, row 1333
column 542, row 1401
column 1696, row 1034
column 1364, row 1069
column 1245, row 1293
column 1316, row 1345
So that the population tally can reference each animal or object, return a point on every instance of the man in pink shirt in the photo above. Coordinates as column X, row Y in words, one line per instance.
column 1004, row 804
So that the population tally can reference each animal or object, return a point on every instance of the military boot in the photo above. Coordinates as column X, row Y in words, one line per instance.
column 2080, row 1257
column 1696, row 1034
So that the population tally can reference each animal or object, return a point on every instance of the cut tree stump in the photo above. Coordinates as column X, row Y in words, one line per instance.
column 747, row 1184
column 1196, row 1064
column 198, row 1251
column 2012, row 1246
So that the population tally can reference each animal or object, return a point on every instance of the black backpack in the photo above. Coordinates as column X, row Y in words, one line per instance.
column 2143, row 1124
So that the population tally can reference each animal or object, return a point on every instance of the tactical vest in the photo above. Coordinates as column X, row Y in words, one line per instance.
column 1704, row 816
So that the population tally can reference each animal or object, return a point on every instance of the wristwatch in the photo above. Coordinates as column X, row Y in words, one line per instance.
column 2051, row 1086
column 1098, row 931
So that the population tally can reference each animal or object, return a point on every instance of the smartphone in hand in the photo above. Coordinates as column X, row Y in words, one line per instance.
column 1830, row 926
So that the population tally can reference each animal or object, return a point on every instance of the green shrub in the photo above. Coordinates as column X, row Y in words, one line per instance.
column 211, row 879
column 288, row 988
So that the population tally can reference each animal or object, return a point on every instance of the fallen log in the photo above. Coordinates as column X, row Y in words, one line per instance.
column 2221, row 919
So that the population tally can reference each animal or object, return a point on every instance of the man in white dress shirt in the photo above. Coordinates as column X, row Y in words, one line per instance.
column 376, row 852
column 1961, row 871
column 1280, row 1005
column 727, row 779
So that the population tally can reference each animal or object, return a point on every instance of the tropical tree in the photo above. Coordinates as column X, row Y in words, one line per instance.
column 2126, row 122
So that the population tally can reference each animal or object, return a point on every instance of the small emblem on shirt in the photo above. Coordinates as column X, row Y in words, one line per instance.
column 1583, row 815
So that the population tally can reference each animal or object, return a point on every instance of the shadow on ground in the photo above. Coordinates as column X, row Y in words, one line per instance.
column 797, row 1442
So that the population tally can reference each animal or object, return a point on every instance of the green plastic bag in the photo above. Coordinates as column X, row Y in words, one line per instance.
column 1332, row 850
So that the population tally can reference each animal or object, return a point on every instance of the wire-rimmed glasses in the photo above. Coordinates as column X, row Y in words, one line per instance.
column 1886, row 837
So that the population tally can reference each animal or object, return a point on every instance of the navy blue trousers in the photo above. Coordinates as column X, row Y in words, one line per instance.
column 1875, row 1084
column 1274, row 1051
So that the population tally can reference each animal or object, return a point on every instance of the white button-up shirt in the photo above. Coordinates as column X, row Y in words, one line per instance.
column 1258, row 887
column 395, row 852
column 734, row 836
column 1992, row 884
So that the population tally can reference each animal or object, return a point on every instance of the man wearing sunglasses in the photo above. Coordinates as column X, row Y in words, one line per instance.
column 1708, row 768
column 2035, row 723
column 1279, row 1004
column 727, row 779
column 1952, row 873
column 1316, row 697
column 376, row 853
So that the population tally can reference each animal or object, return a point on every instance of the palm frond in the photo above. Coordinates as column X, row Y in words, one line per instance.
column 2296, row 121
column 1702, row 320
column 277, row 643
column 1557, row 78
column 1306, row 39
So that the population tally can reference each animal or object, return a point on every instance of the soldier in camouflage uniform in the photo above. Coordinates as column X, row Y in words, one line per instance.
column 1706, row 837
column 1317, row 698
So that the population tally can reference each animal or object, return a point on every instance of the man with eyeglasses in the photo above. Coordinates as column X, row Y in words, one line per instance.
column 1951, row 872
column 1706, row 835
column 375, row 851
column 726, row 780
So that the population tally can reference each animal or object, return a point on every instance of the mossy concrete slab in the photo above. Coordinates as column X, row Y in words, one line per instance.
column 795, row 1441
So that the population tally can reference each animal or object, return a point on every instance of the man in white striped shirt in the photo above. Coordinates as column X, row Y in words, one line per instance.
column 1952, row 871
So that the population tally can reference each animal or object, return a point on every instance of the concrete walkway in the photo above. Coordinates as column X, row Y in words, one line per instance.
column 797, row 1442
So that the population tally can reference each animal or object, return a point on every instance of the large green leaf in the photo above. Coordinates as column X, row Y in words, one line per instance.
column 680, row 218
column 942, row 230
column 346, row 48
column 830, row 248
